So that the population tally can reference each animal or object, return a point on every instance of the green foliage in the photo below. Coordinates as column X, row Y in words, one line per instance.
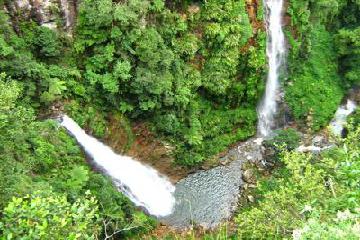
column 348, row 44
column 36, row 156
column 314, row 89
column 195, row 71
column 78, row 177
column 207, row 131
column 46, row 43
column 323, row 58
column 348, row 41
column 227, row 29
column 88, row 117
column 344, row 226
column 50, row 216
column 287, row 138
column 152, row 63
column 314, row 196
column 33, row 59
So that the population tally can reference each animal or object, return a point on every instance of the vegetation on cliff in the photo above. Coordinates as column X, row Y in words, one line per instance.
column 308, row 197
column 194, row 72
column 175, row 66
column 322, row 58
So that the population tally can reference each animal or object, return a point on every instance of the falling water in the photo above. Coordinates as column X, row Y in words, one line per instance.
column 339, row 121
column 142, row 184
column 65, row 8
column 275, row 53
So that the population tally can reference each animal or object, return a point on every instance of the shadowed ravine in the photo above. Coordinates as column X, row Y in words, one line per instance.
column 205, row 198
column 208, row 197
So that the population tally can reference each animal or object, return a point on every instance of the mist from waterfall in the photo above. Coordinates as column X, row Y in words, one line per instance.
column 65, row 8
column 142, row 184
column 275, row 52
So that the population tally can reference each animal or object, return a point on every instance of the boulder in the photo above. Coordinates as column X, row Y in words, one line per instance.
column 248, row 176
column 318, row 141
column 251, row 198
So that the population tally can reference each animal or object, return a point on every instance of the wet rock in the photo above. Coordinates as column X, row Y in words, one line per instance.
column 232, row 157
column 248, row 176
column 44, row 12
column 193, row 9
column 318, row 141
column 258, row 156
column 269, row 153
column 269, row 164
column 251, row 199
column 309, row 149
column 205, row 167
column 224, row 161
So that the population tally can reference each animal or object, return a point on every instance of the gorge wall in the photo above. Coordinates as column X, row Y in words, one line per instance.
column 50, row 13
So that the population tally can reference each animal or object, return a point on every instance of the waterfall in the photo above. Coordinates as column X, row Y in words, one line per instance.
column 339, row 121
column 275, row 52
column 65, row 8
column 142, row 184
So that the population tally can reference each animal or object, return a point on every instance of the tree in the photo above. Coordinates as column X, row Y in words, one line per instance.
column 47, row 215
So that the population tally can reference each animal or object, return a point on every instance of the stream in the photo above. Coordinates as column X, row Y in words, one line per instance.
column 205, row 198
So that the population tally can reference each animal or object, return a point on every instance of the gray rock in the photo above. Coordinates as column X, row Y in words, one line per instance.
column 232, row 157
column 42, row 12
column 224, row 160
column 251, row 198
column 309, row 149
column 248, row 176
column 318, row 141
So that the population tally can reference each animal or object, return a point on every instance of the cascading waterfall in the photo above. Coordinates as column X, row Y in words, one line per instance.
column 339, row 121
column 65, row 8
column 275, row 52
column 142, row 184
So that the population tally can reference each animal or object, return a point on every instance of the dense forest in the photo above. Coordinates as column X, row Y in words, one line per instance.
column 192, row 72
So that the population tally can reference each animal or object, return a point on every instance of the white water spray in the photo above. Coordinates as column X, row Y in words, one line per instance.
column 339, row 121
column 275, row 52
column 65, row 8
column 142, row 184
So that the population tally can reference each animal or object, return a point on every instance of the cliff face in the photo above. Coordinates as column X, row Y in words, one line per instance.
column 55, row 14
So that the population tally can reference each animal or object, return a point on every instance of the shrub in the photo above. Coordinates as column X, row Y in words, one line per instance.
column 315, row 90
column 310, row 193
column 288, row 138
column 50, row 216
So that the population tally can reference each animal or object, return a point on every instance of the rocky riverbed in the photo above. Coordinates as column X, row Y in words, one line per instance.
column 207, row 198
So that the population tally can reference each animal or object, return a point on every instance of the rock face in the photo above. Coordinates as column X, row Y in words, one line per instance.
column 50, row 13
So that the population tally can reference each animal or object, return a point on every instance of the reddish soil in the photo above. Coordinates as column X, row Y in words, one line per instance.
column 145, row 147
